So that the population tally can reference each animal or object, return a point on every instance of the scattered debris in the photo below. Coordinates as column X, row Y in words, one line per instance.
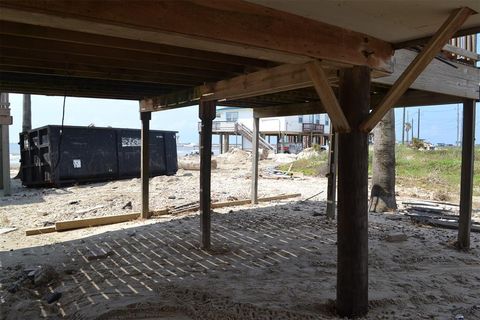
column 98, row 254
column 53, row 296
column 7, row 230
column 396, row 237
column 74, row 202
column 172, row 197
column 43, row 275
column 127, row 206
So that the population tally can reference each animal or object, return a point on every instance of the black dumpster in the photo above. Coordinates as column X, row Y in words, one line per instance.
column 51, row 156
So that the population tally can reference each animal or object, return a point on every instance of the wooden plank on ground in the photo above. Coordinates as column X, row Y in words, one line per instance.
column 92, row 222
column 42, row 230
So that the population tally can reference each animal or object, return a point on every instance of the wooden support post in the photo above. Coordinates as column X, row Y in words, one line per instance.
column 332, row 175
column 145, row 169
column 220, row 142
column 5, row 121
column 226, row 142
column 352, row 209
column 27, row 113
column 254, row 195
column 466, row 185
column 206, row 111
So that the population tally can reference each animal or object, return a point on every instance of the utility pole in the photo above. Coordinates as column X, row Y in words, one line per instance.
column 403, row 127
column 27, row 113
column 418, row 124
column 5, row 121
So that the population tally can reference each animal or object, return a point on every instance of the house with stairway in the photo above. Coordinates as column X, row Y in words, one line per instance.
column 281, row 134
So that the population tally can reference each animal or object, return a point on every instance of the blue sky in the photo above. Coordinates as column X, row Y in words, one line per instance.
column 438, row 123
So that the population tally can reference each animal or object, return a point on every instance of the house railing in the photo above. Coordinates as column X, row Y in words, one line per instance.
column 312, row 127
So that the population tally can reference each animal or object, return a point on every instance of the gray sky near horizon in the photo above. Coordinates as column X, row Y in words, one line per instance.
column 438, row 123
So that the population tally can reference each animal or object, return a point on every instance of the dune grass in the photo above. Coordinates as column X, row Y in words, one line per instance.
column 432, row 170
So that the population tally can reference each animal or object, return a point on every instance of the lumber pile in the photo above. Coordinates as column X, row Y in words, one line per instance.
column 437, row 214
column 105, row 220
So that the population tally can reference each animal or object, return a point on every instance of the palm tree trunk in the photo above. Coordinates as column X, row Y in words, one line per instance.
column 382, row 197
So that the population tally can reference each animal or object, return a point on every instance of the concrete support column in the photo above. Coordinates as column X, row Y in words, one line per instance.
column 466, row 184
column 220, row 143
column 255, row 138
column 27, row 113
column 206, row 112
column 226, row 143
column 352, row 226
column 145, row 162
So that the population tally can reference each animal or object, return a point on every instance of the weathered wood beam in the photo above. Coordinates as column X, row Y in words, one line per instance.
column 421, row 61
column 327, row 96
column 461, row 52
column 282, row 78
column 232, row 27
column 60, row 51
column 28, row 32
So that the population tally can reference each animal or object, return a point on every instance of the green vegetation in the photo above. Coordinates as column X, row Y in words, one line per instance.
column 430, row 170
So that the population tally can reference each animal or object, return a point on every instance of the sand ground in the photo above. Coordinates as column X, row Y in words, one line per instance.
column 276, row 260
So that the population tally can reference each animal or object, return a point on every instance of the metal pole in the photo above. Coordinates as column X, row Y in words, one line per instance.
column 403, row 127
column 145, row 162
column 466, row 184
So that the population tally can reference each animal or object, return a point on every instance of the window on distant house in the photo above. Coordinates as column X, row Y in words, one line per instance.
column 232, row 116
column 327, row 121
column 317, row 119
column 300, row 119
column 219, row 115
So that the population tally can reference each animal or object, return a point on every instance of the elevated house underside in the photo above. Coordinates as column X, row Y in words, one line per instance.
column 353, row 60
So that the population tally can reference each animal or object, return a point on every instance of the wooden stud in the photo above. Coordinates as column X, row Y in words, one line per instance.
column 327, row 96
column 207, row 113
column 466, row 185
column 145, row 162
column 255, row 156
column 421, row 61
column 352, row 209
column 92, row 222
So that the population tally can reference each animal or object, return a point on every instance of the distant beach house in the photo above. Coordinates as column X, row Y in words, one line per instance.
column 277, row 133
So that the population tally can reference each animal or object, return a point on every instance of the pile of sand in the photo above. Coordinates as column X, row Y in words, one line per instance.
column 307, row 154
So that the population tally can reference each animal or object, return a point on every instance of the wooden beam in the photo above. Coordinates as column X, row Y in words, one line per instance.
column 207, row 113
column 255, row 137
column 461, row 52
column 145, row 162
column 352, row 210
column 466, row 185
column 96, row 221
column 232, row 27
column 421, row 61
column 65, row 52
column 325, row 92
column 282, row 78
column 27, row 32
